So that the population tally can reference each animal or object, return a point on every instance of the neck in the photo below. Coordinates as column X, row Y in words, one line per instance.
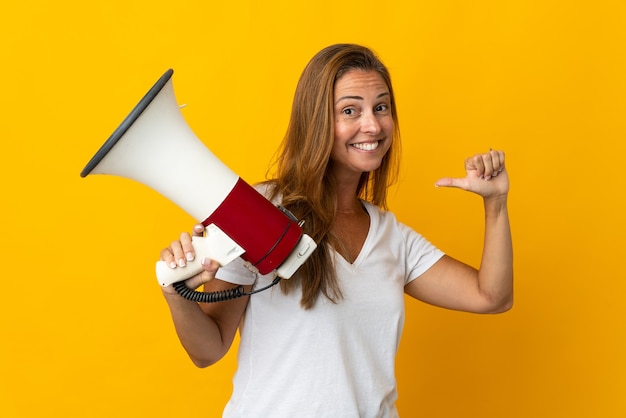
column 347, row 200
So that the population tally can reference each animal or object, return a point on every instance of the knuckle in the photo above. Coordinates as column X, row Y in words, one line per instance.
column 206, row 276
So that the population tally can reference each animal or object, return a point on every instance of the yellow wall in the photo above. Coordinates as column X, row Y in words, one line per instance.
column 85, row 332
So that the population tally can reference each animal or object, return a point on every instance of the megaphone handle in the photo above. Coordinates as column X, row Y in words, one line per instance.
column 167, row 275
column 215, row 245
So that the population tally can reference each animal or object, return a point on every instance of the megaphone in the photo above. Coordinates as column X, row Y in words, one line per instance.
column 155, row 146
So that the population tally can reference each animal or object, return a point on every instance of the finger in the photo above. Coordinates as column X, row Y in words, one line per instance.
column 487, row 165
column 498, row 160
column 210, row 267
column 187, row 246
column 475, row 165
column 198, row 230
column 168, row 257
column 449, row 182
column 179, row 248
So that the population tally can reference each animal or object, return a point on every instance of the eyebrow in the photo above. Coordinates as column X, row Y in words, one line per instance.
column 359, row 97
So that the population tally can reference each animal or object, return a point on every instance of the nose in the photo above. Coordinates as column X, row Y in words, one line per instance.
column 370, row 124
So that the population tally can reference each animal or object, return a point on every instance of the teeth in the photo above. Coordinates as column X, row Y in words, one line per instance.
column 369, row 146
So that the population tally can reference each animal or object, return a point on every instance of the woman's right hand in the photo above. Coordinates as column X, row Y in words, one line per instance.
column 180, row 252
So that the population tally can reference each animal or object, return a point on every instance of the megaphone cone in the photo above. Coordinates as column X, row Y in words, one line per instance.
column 155, row 146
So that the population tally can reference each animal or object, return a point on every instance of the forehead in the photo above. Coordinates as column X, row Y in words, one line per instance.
column 360, row 80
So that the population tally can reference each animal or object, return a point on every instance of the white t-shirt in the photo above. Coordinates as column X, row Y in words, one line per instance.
column 335, row 360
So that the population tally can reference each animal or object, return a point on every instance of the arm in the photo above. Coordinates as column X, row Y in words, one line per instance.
column 454, row 285
column 206, row 331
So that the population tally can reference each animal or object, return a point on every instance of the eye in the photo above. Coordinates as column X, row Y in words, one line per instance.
column 349, row 111
column 381, row 108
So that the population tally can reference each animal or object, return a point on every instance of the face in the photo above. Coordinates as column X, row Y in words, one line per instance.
column 363, row 123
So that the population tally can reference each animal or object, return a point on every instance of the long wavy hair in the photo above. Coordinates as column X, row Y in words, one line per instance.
column 303, row 182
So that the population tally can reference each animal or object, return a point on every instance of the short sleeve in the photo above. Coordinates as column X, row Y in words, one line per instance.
column 236, row 273
column 421, row 254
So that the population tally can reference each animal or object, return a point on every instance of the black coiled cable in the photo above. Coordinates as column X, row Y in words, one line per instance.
column 217, row 296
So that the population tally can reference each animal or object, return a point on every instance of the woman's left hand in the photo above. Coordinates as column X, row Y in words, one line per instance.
column 485, row 175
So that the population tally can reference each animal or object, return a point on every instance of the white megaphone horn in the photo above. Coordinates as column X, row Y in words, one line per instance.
column 155, row 146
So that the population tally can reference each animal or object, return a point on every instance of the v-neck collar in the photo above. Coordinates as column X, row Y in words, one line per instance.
column 373, row 222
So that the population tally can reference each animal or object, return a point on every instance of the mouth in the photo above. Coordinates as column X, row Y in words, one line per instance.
column 366, row 146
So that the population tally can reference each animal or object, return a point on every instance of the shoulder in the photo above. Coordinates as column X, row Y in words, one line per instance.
column 387, row 220
column 416, row 253
column 268, row 189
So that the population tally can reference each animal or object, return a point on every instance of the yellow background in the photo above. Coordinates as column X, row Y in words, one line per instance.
column 85, row 332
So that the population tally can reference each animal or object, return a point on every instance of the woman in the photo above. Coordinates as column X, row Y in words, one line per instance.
column 324, row 344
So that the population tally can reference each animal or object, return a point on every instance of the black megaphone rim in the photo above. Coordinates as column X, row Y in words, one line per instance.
column 127, row 123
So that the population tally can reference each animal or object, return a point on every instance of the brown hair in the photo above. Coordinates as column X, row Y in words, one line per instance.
column 303, row 182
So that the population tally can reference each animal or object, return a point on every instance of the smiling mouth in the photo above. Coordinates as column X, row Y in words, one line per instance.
column 366, row 146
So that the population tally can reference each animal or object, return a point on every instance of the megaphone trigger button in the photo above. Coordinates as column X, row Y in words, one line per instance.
column 301, row 253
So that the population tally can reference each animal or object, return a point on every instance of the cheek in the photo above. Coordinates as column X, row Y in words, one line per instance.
column 388, row 125
column 340, row 131
column 345, row 132
column 342, row 136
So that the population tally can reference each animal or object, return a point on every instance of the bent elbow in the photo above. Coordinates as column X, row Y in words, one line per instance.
column 202, row 364
column 501, row 306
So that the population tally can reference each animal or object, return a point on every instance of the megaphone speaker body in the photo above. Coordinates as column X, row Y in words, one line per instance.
column 155, row 146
